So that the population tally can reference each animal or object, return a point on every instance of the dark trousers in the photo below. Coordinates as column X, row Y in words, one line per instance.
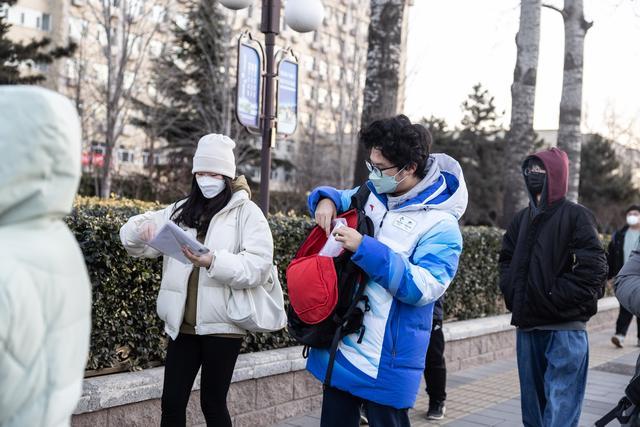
column 342, row 409
column 623, row 322
column 435, row 370
column 185, row 355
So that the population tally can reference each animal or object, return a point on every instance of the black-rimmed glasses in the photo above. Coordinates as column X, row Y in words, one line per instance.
column 376, row 170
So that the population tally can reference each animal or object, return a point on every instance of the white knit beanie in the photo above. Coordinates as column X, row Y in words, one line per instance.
column 215, row 154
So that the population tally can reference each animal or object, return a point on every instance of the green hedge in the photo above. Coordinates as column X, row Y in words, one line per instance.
column 126, row 330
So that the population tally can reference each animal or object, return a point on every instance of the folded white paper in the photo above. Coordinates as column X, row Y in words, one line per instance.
column 170, row 240
column 333, row 248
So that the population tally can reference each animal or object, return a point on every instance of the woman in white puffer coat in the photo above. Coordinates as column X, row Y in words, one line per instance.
column 192, row 299
column 45, row 293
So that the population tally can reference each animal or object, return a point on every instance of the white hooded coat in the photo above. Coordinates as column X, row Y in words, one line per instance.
column 248, row 269
column 45, row 293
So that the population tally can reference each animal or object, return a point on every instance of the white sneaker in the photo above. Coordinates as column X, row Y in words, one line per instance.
column 618, row 340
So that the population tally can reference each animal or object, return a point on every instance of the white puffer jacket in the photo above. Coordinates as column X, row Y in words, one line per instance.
column 248, row 269
column 45, row 293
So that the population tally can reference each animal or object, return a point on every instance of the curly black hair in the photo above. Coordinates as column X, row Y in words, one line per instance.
column 401, row 142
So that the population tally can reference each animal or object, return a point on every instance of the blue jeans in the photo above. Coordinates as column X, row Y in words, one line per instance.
column 552, row 366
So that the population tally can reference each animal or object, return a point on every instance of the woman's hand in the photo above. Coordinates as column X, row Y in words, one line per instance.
column 147, row 231
column 199, row 261
column 349, row 238
column 326, row 212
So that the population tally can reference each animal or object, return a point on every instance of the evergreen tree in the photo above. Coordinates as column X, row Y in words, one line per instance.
column 606, row 186
column 193, row 94
column 481, row 137
column 14, row 55
column 479, row 148
column 480, row 114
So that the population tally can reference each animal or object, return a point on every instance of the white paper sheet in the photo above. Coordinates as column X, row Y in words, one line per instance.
column 333, row 248
column 170, row 240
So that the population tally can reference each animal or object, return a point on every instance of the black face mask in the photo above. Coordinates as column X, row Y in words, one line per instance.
column 535, row 182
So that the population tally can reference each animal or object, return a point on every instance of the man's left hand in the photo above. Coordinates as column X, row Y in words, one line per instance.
column 349, row 238
column 198, row 261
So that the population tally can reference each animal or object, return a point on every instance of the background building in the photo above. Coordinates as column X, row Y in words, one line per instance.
column 331, row 80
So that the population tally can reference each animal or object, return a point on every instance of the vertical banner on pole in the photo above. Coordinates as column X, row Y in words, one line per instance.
column 287, row 104
column 249, row 87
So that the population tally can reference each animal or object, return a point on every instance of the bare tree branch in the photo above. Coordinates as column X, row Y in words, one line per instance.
column 557, row 9
column 128, row 33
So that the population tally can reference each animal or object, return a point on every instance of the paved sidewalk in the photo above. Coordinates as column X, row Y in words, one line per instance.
column 489, row 395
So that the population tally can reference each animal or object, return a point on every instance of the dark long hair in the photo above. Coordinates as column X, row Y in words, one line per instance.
column 197, row 211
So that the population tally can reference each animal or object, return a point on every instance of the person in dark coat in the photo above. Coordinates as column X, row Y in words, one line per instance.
column 553, row 270
column 435, row 370
column 623, row 243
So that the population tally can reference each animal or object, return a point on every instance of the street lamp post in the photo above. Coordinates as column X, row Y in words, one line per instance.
column 302, row 16
column 270, row 27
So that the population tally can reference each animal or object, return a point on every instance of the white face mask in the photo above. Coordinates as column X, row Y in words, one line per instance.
column 633, row 220
column 210, row 186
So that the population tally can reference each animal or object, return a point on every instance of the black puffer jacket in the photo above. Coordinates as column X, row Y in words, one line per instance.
column 552, row 265
column 615, row 252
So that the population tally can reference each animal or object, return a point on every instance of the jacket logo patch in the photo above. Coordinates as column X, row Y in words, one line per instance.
column 404, row 223
column 371, row 207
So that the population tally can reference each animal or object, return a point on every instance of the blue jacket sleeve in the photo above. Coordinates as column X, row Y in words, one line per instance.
column 422, row 278
column 341, row 198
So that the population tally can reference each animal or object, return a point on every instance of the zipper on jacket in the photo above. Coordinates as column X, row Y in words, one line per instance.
column 198, row 322
column 382, row 222
column 184, row 303
column 394, row 335
column 216, row 216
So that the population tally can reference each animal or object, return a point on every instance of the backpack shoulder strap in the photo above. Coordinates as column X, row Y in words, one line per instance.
column 359, row 199
column 239, row 227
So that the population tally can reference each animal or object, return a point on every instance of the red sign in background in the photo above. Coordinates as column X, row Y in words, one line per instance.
column 95, row 159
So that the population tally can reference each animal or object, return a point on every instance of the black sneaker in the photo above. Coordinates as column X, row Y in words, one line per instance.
column 436, row 411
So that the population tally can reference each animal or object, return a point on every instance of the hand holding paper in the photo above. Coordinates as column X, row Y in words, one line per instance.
column 349, row 237
column 198, row 260
column 333, row 248
column 170, row 240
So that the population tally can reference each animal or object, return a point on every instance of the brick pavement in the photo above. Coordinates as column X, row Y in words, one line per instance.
column 488, row 395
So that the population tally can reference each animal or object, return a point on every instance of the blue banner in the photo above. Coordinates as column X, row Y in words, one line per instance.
column 287, row 97
column 249, row 82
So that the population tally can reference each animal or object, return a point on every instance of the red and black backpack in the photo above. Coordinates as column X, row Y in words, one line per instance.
column 327, row 294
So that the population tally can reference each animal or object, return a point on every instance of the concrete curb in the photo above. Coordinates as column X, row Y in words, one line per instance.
column 467, row 346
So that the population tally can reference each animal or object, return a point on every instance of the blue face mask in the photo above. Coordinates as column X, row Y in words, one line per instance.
column 385, row 184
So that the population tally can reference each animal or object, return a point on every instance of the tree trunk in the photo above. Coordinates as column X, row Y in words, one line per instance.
column 385, row 62
column 521, row 137
column 569, row 132
column 106, row 172
column 105, row 182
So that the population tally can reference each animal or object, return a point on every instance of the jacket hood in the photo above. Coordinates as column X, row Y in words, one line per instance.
column 447, row 190
column 241, row 184
column 556, row 163
column 41, row 141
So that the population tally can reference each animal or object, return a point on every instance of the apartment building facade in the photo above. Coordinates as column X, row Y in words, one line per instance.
column 332, row 64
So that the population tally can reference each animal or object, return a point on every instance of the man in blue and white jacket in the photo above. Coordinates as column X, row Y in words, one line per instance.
column 415, row 203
